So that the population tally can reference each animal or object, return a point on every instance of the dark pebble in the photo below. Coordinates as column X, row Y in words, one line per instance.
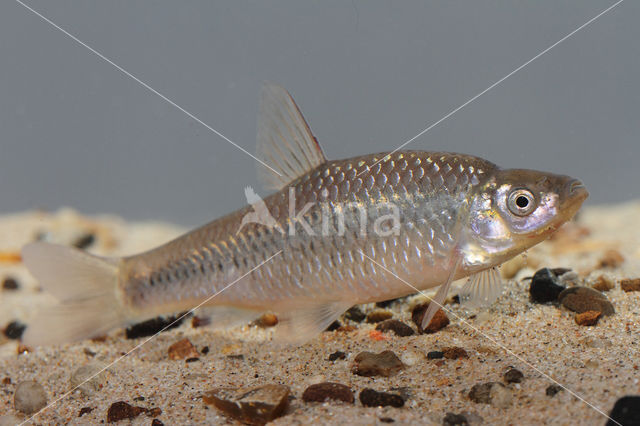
column 153, row 326
column 387, row 420
column 545, row 287
column 121, row 410
column 583, row 299
column 85, row 241
column 378, row 316
column 156, row 422
column 337, row 355
column 205, row 350
column 451, row 419
column 355, row 314
column 322, row 392
column 14, row 330
column 193, row 359
column 438, row 322
column 371, row 398
column 139, row 398
column 481, row 393
column 513, row 376
column 553, row 389
column 85, row 410
column 454, row 352
column 626, row 411
column 10, row 283
column 257, row 406
column 398, row 327
column 435, row 355
column 629, row 284
column 385, row 363
column 334, row 326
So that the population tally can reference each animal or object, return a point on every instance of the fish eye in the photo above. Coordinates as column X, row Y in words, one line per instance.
column 521, row 202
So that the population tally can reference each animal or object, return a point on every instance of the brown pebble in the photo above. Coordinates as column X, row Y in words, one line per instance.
column 438, row 322
column 156, row 422
column 266, row 320
column 121, row 410
column 322, row 392
column 603, row 283
column 200, row 321
column 154, row 412
column 85, row 410
column 378, row 315
column 10, row 283
column 481, row 393
column 386, row 363
column 398, row 327
column 513, row 375
column 454, row 352
column 6, row 381
column 337, row 355
column 630, row 284
column 581, row 299
column 588, row 318
column 183, row 349
column 371, row 398
column 256, row 406
column 611, row 259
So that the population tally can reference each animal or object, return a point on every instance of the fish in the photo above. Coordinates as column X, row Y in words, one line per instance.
column 333, row 234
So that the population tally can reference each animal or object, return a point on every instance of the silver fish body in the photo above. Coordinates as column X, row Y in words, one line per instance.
column 334, row 234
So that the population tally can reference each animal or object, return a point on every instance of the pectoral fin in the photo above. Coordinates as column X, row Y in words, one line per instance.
column 438, row 300
column 482, row 288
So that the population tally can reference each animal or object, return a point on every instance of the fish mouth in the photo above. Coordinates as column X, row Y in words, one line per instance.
column 574, row 196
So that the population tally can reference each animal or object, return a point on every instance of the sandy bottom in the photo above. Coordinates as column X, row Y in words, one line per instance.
column 597, row 365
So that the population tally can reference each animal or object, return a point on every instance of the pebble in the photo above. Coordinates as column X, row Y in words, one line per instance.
column 626, row 411
column 153, row 326
column 398, row 327
column 266, row 320
column 371, row 398
column 337, row 355
column 438, row 322
column 386, row 420
column 84, row 241
column 603, row 283
column 14, row 330
column 256, row 406
column 81, row 374
column 85, row 410
column 451, row 419
column 611, row 259
column 545, row 286
column 10, row 283
column 197, row 321
column 322, row 392
column 588, row 318
column 551, row 390
column 454, row 352
column 378, row 315
column 581, row 299
column 121, row 410
column 513, row 375
column 156, row 422
column 435, row 355
column 334, row 326
column 355, row 314
column 386, row 363
column 183, row 349
column 630, row 284
column 493, row 393
column 29, row 397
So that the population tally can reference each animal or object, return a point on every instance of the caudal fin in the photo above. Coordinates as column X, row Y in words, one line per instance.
column 84, row 284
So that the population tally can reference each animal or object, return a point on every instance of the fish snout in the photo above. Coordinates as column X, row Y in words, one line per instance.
column 575, row 190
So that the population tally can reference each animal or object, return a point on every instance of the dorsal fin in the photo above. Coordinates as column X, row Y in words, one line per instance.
column 285, row 141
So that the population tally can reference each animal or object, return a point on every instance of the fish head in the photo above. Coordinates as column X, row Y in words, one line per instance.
column 516, row 209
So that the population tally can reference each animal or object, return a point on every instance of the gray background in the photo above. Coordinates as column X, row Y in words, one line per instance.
column 368, row 75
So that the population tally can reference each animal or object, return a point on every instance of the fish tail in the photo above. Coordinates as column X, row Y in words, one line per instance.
column 86, row 286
